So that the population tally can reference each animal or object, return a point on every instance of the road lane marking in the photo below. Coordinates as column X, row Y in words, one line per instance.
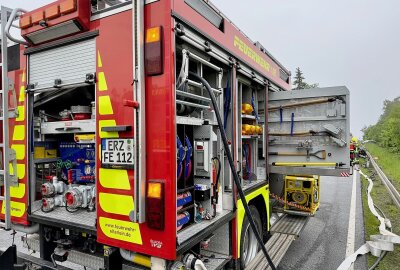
column 352, row 220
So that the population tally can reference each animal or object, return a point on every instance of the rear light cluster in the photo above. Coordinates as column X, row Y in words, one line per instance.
column 154, row 61
column 155, row 211
column 52, row 12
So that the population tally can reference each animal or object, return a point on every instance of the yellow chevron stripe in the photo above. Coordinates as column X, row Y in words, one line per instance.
column 21, row 94
column 21, row 114
column 108, row 123
column 19, row 133
column 18, row 191
column 102, row 82
column 105, row 106
column 20, row 170
column 113, row 178
column 121, row 230
column 99, row 62
column 20, row 150
column 17, row 209
column 116, row 203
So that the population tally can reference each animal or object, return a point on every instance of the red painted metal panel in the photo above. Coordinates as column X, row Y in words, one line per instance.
column 116, row 50
column 234, row 41
column 21, row 204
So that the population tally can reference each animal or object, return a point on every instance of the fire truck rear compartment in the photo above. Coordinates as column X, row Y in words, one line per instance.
column 64, row 147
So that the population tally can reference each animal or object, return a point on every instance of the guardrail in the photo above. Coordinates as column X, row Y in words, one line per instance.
column 388, row 184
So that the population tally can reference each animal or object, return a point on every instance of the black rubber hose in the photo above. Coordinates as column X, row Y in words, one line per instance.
column 234, row 173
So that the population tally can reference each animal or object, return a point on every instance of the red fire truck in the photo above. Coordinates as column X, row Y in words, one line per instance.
column 120, row 119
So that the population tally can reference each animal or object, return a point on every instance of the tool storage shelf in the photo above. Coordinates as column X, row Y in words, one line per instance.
column 74, row 126
column 247, row 116
column 251, row 137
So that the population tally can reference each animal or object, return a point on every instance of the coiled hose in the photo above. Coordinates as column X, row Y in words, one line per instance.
column 232, row 166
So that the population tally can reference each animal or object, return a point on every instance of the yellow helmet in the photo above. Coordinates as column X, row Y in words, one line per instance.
column 354, row 140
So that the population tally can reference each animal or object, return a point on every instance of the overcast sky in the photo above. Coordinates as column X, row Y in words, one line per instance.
column 343, row 42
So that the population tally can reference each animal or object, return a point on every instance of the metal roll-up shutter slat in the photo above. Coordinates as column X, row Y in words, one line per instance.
column 69, row 63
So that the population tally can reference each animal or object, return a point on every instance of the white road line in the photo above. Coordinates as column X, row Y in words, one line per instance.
column 352, row 219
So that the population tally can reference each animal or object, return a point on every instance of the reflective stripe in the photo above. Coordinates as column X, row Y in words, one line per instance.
column 116, row 204
column 113, row 178
column 20, row 170
column 99, row 62
column 121, row 230
column 105, row 107
column 21, row 97
column 19, row 133
column 17, row 209
column 21, row 114
column 17, row 191
column 20, row 151
column 107, row 123
column 102, row 81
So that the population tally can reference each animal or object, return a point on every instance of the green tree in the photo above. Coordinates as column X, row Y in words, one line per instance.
column 386, row 132
column 299, row 82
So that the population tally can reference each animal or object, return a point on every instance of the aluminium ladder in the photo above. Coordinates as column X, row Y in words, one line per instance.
column 8, row 155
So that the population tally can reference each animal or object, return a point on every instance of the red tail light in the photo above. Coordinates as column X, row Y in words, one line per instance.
column 155, row 205
column 154, row 60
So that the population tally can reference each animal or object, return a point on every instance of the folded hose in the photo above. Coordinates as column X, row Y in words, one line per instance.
column 232, row 166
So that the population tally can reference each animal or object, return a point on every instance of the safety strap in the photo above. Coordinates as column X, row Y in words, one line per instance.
column 379, row 243
column 227, row 99
column 292, row 125
column 188, row 155
column 247, row 158
column 253, row 104
column 180, row 156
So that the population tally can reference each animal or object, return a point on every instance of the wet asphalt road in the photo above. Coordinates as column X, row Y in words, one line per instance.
column 322, row 244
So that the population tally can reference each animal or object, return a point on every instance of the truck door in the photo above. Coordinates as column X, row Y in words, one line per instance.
column 309, row 132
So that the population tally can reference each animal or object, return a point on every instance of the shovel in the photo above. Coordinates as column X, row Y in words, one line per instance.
column 321, row 154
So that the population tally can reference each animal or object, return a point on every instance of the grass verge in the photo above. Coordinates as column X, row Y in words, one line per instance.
column 381, row 199
column 389, row 162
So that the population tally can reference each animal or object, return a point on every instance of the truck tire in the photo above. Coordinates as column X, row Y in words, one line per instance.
column 248, row 241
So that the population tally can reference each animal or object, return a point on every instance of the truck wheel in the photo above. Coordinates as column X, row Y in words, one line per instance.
column 248, row 241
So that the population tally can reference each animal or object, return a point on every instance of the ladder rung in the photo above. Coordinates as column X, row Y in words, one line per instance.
column 1, row 198
column 1, row 172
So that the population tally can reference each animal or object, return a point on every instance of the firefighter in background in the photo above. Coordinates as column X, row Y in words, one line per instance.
column 354, row 150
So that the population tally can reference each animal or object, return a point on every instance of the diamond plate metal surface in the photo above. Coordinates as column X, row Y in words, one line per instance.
column 60, row 215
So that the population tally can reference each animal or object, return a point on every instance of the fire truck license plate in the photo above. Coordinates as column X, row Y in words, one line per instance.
column 117, row 153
